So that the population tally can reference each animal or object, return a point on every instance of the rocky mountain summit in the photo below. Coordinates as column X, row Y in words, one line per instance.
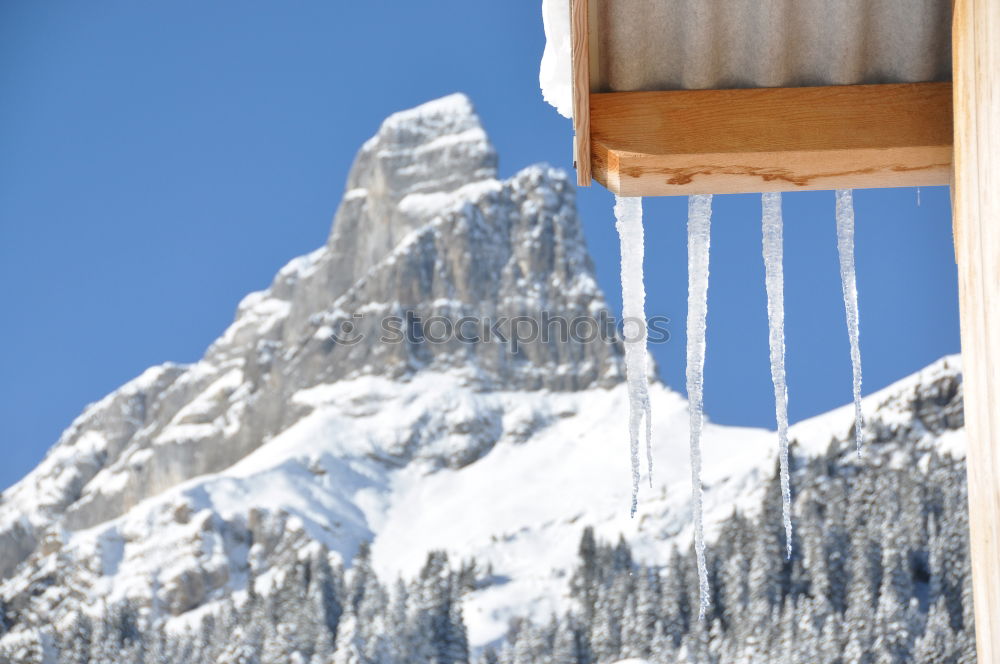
column 424, row 226
column 328, row 415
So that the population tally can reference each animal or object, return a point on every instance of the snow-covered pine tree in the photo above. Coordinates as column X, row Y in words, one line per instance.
column 571, row 645
column 676, row 606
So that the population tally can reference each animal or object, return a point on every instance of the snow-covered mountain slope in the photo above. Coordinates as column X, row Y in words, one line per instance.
column 425, row 227
column 925, row 405
column 295, row 429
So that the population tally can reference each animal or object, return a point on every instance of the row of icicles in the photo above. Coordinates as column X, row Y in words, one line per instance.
column 628, row 213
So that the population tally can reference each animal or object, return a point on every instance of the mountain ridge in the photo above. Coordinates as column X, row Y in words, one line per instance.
column 192, row 481
column 280, row 339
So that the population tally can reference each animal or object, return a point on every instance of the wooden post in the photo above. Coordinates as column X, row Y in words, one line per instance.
column 976, row 197
column 580, row 39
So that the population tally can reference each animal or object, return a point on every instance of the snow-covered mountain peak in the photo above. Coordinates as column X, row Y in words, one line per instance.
column 298, row 435
column 436, row 147
column 424, row 230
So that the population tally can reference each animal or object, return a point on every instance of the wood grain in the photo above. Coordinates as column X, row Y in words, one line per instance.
column 976, row 200
column 580, row 38
column 772, row 139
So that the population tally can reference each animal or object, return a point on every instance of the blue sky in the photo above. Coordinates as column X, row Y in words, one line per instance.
column 160, row 160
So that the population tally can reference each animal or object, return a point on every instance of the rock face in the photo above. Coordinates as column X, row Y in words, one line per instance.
column 424, row 227
column 297, row 430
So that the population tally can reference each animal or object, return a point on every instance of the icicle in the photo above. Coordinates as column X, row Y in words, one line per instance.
column 845, row 247
column 918, row 196
column 774, row 281
column 628, row 216
column 699, row 223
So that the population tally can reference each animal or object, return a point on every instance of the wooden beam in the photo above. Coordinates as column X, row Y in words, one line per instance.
column 772, row 139
column 580, row 38
column 976, row 200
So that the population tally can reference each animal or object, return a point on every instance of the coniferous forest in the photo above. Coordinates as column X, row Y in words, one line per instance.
column 879, row 575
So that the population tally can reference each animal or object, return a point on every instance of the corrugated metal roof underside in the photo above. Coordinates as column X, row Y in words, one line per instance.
column 700, row 44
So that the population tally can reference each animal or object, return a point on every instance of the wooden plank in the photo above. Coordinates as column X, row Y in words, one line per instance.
column 772, row 139
column 976, row 200
column 580, row 38
column 594, row 21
